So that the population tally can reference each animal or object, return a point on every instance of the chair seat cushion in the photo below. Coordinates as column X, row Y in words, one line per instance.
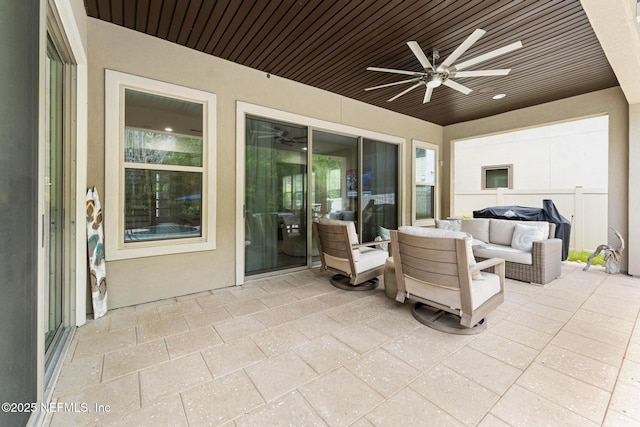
column 490, row 250
column 481, row 291
column 370, row 258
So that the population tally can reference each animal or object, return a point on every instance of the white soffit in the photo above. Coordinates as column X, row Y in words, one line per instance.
column 616, row 26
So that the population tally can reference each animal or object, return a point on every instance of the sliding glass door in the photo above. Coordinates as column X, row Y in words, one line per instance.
column 54, row 197
column 275, row 196
column 344, row 177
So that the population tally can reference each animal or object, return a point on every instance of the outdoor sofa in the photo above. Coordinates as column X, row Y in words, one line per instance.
column 531, row 251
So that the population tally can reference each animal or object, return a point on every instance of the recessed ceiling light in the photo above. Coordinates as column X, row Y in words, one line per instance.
column 168, row 129
column 499, row 96
column 487, row 89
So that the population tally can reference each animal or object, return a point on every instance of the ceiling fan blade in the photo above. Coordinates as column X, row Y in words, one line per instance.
column 457, row 86
column 391, row 70
column 419, row 53
column 480, row 73
column 427, row 95
column 489, row 55
column 405, row 91
column 463, row 47
column 392, row 84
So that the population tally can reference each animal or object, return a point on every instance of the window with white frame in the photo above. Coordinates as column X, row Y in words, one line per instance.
column 159, row 168
column 425, row 175
column 497, row 176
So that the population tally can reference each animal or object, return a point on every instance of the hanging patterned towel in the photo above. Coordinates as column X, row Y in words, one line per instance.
column 95, row 246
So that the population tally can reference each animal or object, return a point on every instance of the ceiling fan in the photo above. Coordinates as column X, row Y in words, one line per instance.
column 280, row 135
column 435, row 74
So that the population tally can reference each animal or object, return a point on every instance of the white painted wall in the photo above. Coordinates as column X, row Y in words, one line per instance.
column 565, row 162
column 558, row 156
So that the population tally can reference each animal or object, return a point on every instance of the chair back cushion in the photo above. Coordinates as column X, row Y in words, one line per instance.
column 501, row 231
column 477, row 227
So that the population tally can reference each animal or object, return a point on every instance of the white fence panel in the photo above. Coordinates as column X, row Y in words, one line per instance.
column 585, row 208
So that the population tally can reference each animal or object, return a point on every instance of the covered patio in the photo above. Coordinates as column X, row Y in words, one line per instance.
column 293, row 350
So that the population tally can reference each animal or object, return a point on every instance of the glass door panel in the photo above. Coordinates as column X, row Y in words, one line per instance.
column 275, row 196
column 334, row 185
column 425, row 182
column 53, row 195
column 379, row 188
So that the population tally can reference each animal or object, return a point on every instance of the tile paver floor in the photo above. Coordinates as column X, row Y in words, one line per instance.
column 293, row 350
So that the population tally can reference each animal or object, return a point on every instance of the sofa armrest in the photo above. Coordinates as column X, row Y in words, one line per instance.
column 548, row 248
column 547, row 259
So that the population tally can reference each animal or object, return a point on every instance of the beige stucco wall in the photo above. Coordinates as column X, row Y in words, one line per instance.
column 634, row 196
column 111, row 47
column 609, row 101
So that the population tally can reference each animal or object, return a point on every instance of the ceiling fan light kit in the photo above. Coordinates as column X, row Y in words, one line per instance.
column 435, row 81
column 434, row 75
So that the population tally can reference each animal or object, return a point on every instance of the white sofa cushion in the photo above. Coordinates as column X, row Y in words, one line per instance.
column 501, row 231
column 432, row 232
column 491, row 250
column 525, row 235
column 477, row 227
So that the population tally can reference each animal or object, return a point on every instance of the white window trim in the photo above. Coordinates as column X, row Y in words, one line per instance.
column 508, row 167
column 113, row 206
column 436, row 205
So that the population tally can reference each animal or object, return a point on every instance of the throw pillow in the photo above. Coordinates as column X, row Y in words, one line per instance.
column 525, row 235
column 383, row 234
column 449, row 224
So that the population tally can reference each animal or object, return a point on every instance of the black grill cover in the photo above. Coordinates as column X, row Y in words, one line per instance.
column 548, row 213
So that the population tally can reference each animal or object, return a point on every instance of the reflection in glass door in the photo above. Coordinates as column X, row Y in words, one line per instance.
column 334, row 186
column 54, row 197
column 275, row 196
column 379, row 189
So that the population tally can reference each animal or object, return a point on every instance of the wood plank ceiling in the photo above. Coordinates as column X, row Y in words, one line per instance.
column 330, row 43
